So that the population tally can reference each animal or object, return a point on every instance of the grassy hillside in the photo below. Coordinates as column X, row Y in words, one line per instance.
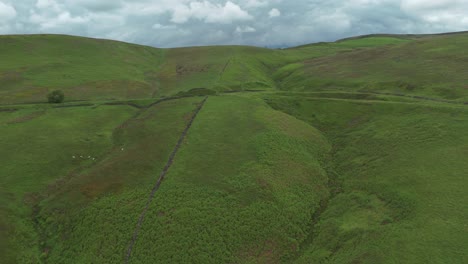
column 39, row 147
column 247, row 196
column 93, row 69
column 345, row 152
column 83, row 68
column 222, row 68
column 431, row 66
column 401, row 170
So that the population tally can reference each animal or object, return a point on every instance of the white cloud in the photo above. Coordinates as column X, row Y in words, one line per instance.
column 441, row 15
column 274, row 13
column 246, row 29
column 159, row 26
column 181, row 14
column 66, row 18
column 209, row 13
column 7, row 12
column 61, row 20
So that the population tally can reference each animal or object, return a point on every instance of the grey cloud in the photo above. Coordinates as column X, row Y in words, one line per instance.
column 171, row 23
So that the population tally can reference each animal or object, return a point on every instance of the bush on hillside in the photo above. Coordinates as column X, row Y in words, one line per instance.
column 55, row 97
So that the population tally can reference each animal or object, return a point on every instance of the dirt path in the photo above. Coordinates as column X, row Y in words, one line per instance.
column 160, row 179
column 224, row 69
column 419, row 97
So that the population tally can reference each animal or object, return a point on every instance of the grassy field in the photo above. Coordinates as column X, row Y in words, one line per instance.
column 38, row 146
column 401, row 168
column 345, row 152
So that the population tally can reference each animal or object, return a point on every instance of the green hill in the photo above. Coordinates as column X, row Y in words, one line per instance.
column 84, row 68
column 346, row 152
column 427, row 66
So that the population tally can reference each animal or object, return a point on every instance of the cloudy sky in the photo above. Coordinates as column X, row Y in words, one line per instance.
column 272, row 23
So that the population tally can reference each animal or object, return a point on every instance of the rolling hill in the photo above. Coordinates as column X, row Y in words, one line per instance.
column 346, row 152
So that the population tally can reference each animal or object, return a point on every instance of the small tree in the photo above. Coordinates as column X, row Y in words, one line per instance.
column 55, row 97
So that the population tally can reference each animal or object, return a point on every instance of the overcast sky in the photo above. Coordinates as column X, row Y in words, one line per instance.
column 273, row 23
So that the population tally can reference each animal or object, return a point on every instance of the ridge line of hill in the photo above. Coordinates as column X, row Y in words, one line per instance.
column 161, row 178
column 397, row 35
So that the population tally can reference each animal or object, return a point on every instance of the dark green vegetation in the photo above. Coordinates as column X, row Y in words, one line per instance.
column 346, row 152
column 56, row 97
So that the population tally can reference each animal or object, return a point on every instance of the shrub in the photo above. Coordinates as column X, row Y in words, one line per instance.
column 55, row 97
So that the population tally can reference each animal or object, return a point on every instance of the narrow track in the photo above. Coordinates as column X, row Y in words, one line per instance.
column 440, row 100
column 160, row 179
column 224, row 69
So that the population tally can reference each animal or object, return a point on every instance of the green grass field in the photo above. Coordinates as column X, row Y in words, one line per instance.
column 401, row 169
column 347, row 152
